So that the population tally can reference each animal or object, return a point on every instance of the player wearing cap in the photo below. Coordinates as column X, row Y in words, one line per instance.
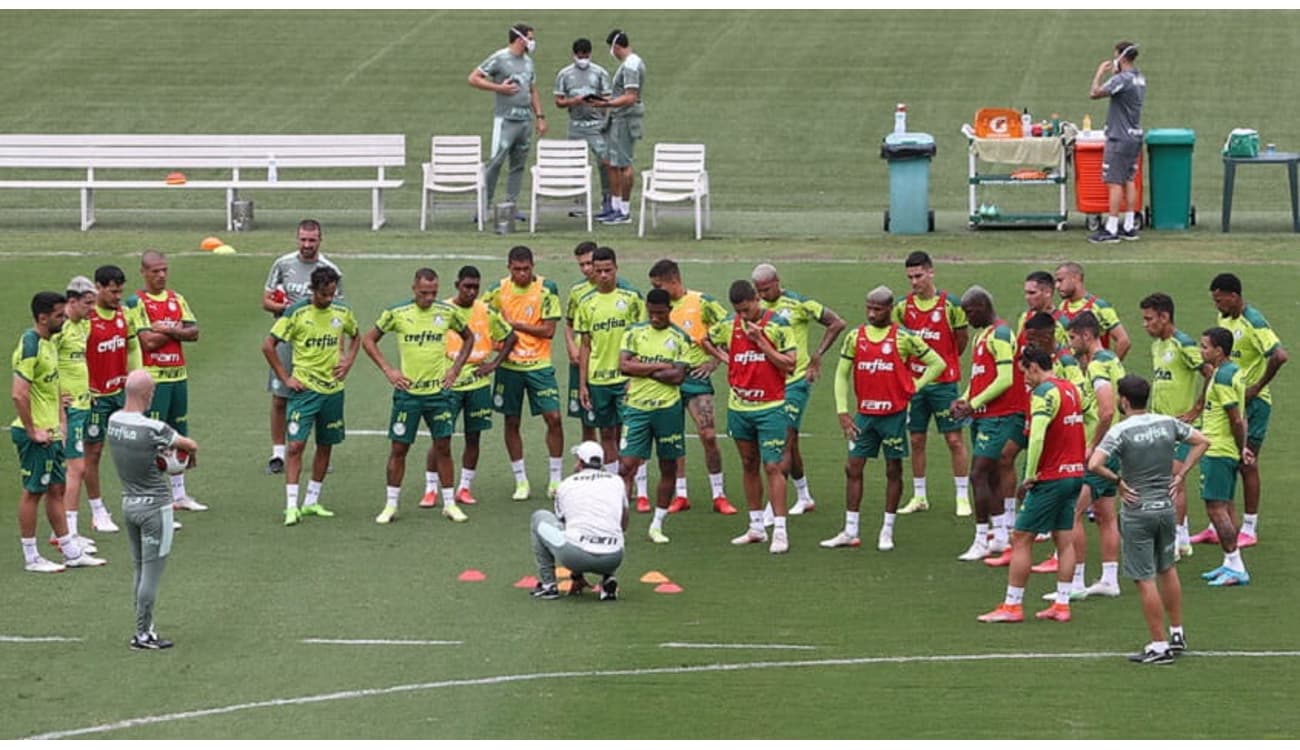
column 585, row 533
column 74, row 392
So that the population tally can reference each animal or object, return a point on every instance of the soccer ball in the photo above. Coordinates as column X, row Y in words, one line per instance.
column 172, row 461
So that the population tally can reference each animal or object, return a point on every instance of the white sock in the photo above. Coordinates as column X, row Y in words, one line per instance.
column 851, row 522
column 1232, row 561
column 431, row 482
column 918, row 486
column 611, row 468
column 521, row 475
column 313, row 492
column 466, row 478
column 756, row 520
column 963, row 487
column 801, row 485
column 1015, row 595
column 71, row 515
column 448, row 497
column 1182, row 534
column 716, row 484
column 391, row 494
column 291, row 497
column 1009, row 507
column 97, row 506
column 1159, row 647
column 1080, row 580
column 277, row 451
column 1248, row 523
column 1175, row 630
column 29, row 550
column 556, row 467
column 1110, row 573
column 1128, row 221
column 660, row 515
column 888, row 527
column 779, row 524
column 981, row 533
column 70, row 547
column 1063, row 592
column 681, row 487
column 178, row 487
column 999, row 528
column 1112, row 224
column 642, row 490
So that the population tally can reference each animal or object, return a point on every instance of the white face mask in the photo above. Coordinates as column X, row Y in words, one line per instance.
column 529, row 44
column 582, row 62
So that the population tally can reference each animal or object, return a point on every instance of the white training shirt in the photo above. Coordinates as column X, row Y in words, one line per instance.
column 591, row 504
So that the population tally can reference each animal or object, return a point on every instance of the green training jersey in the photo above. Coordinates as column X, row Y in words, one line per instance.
column 649, row 344
column 422, row 341
column 1227, row 391
column 504, row 65
column 604, row 318
column 1107, row 317
column 799, row 313
column 1104, row 370
column 1066, row 367
column 36, row 360
column 317, row 337
column 74, row 380
column 1058, row 331
column 582, row 289
column 1254, row 342
column 1176, row 362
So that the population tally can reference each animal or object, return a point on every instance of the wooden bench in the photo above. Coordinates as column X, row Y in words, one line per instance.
column 233, row 157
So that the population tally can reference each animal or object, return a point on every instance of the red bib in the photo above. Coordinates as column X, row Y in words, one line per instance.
column 881, row 382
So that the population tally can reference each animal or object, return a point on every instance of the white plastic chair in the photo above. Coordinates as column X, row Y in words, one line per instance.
column 563, row 170
column 677, row 175
column 455, row 166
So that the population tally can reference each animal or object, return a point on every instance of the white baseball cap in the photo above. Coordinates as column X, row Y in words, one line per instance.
column 81, row 285
column 589, row 453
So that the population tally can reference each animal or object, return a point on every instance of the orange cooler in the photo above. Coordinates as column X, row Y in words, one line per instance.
column 1090, row 194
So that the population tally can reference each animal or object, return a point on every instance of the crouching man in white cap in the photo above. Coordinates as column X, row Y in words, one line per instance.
column 585, row 533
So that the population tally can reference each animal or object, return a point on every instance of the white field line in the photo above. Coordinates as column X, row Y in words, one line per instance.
column 742, row 646
column 384, row 433
column 375, row 642
column 37, row 639
column 352, row 74
column 342, row 695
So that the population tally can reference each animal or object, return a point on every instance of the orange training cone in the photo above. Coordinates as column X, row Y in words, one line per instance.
column 471, row 576
column 654, row 576
column 527, row 582
column 668, row 588
column 210, row 243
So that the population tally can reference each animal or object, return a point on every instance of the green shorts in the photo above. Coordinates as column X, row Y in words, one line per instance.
column 1049, row 506
column 1182, row 451
column 796, row 401
column 934, row 401
column 101, row 408
column 74, row 444
column 1103, row 487
column 324, row 411
column 41, row 465
column 1218, row 478
column 408, row 410
column 1147, row 542
column 606, row 405
column 767, row 427
column 1257, row 413
column 888, row 431
column 664, row 429
column 692, row 387
column 171, row 404
column 511, row 385
column 575, row 401
column 621, row 140
column 475, row 404
column 989, row 435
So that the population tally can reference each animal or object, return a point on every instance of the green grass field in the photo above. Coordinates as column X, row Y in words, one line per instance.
column 792, row 107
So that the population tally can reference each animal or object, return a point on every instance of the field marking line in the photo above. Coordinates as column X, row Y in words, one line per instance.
column 37, row 639
column 352, row 75
column 535, row 676
column 773, row 646
column 384, row 433
column 375, row 642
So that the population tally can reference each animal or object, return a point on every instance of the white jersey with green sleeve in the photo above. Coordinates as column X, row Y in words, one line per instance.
column 799, row 313
column 1253, row 342
column 316, row 335
column 504, row 65
column 604, row 317
column 422, row 341
column 652, row 345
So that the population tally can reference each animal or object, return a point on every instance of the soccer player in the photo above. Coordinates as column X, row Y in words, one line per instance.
column 165, row 322
column 626, row 116
column 940, row 322
column 421, row 387
column 509, row 74
column 600, row 321
column 112, row 350
column 585, row 533
column 1149, row 477
column 530, row 304
column 574, row 85
column 695, row 313
column 878, row 366
column 994, row 400
column 287, row 284
column 799, row 312
column 36, row 434
column 653, row 356
column 1053, row 474
column 135, row 440
column 1225, row 423
column 761, row 354
column 1260, row 355
column 1075, row 299
column 1040, row 289
column 1103, row 371
column 74, row 392
column 1176, row 363
column 471, row 394
column 315, row 328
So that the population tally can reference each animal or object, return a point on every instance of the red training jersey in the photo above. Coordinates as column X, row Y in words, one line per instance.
column 1064, row 444
column 881, row 382
column 751, row 377
column 106, row 353
column 934, row 328
column 167, row 309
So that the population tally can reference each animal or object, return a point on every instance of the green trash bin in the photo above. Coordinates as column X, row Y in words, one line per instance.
column 1169, row 152
column 909, row 156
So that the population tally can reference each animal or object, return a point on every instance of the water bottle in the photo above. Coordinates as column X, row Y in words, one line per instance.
column 271, row 174
column 900, row 119
column 1026, row 124
column 1087, row 122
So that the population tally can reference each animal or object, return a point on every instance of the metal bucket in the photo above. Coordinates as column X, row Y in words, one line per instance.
column 505, row 218
column 241, row 216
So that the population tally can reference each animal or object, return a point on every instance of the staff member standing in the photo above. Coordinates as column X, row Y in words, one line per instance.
column 625, row 125
column 509, row 74
column 1127, row 88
